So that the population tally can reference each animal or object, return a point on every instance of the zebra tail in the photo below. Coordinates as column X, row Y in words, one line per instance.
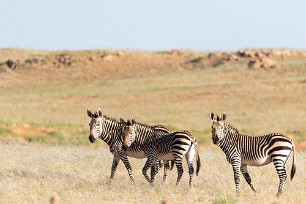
column 198, row 163
column 293, row 168
column 172, row 165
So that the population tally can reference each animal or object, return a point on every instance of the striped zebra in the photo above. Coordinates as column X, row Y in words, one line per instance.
column 242, row 150
column 157, row 132
column 109, row 130
column 169, row 147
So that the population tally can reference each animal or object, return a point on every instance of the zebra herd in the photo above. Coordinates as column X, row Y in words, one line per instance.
column 161, row 146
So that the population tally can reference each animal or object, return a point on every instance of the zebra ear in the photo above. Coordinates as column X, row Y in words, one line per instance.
column 211, row 115
column 128, row 122
column 99, row 112
column 122, row 121
column 223, row 116
column 89, row 113
column 133, row 121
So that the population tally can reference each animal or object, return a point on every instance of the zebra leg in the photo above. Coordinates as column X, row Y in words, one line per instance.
column 116, row 161
column 151, row 160
column 190, row 171
column 154, row 170
column 166, row 170
column 246, row 175
column 236, row 168
column 180, row 171
column 190, row 155
column 127, row 165
column 160, row 164
column 145, row 169
column 281, row 171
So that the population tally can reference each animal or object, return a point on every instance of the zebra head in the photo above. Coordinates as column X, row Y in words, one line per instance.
column 95, row 125
column 128, row 132
column 217, row 128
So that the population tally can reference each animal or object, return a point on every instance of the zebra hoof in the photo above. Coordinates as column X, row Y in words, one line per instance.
column 237, row 193
column 279, row 194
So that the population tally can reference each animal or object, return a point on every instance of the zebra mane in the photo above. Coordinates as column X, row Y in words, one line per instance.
column 111, row 119
column 231, row 128
column 143, row 125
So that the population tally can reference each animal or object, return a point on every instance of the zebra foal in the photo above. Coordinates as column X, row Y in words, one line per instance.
column 173, row 146
column 242, row 150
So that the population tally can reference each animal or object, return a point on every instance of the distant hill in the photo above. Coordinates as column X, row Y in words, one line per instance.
column 106, row 64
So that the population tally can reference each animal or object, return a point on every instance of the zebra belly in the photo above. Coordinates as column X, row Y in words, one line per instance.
column 137, row 154
column 166, row 157
column 257, row 162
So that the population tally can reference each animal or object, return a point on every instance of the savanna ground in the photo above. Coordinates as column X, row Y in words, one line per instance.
column 79, row 174
column 44, row 127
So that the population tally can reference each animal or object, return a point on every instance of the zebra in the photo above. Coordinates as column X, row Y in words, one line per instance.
column 108, row 129
column 242, row 150
column 158, row 131
column 169, row 147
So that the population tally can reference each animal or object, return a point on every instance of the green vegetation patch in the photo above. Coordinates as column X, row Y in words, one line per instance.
column 226, row 200
column 60, row 134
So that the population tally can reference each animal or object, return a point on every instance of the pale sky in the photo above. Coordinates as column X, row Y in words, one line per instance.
column 152, row 25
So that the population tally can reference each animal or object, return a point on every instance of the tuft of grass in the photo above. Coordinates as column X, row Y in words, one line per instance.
column 54, row 138
column 5, row 131
column 227, row 200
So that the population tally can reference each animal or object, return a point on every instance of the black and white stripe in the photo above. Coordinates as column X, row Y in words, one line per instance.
column 110, row 131
column 169, row 147
column 242, row 150
column 152, row 133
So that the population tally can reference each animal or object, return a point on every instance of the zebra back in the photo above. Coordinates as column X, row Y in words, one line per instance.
column 145, row 133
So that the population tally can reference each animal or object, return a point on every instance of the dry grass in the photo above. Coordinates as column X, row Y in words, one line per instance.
column 78, row 174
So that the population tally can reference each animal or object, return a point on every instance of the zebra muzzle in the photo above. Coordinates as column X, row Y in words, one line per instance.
column 91, row 139
column 215, row 140
column 126, row 143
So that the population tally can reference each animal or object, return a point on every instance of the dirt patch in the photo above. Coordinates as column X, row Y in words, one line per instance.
column 26, row 129
column 301, row 145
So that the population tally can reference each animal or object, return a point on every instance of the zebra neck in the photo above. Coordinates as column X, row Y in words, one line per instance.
column 144, row 134
column 230, row 138
column 224, row 145
column 110, row 130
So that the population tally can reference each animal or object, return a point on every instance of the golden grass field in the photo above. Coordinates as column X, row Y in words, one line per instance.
column 44, row 126
column 79, row 174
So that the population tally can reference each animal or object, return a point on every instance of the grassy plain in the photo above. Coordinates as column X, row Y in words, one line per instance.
column 44, row 147
column 79, row 174
column 48, row 103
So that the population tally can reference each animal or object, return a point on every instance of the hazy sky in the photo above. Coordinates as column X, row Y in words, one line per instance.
column 152, row 25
